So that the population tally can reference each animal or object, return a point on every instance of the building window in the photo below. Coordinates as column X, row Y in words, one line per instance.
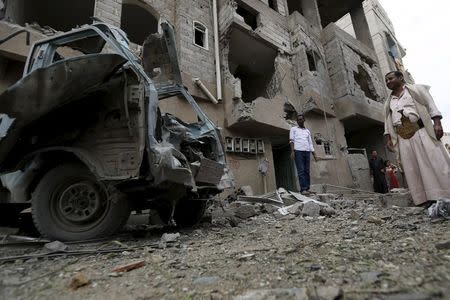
column 311, row 61
column 295, row 5
column 250, row 17
column 200, row 35
column 138, row 21
column 273, row 4
column 327, row 148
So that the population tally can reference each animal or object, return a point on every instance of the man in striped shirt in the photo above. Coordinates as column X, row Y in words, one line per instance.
column 301, row 149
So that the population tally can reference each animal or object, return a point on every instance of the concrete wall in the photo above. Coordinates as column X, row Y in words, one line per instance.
column 380, row 28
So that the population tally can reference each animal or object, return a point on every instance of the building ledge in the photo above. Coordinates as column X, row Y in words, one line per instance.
column 349, row 107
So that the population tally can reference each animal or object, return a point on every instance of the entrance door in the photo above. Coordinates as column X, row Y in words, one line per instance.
column 285, row 172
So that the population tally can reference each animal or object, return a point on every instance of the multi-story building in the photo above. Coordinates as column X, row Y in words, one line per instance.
column 388, row 49
column 265, row 61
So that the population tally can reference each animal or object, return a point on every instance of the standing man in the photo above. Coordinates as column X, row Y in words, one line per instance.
column 377, row 172
column 413, row 129
column 301, row 149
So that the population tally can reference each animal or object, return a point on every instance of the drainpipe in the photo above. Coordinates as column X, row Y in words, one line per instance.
column 216, row 51
column 205, row 90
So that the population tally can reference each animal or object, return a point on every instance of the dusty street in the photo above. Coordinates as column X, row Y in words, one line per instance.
column 364, row 251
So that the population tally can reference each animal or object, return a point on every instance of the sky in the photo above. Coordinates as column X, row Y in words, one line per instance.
column 423, row 29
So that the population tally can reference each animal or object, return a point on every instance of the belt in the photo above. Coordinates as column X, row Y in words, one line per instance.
column 407, row 129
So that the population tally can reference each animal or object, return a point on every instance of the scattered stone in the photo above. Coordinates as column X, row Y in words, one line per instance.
column 170, row 237
column 247, row 256
column 443, row 246
column 370, row 277
column 129, row 267
column 245, row 211
column 269, row 294
column 410, row 296
column 398, row 199
column 326, row 198
column 375, row 220
column 295, row 209
column 56, row 246
column 247, row 190
column 314, row 268
column 326, row 293
column 311, row 209
column 216, row 295
column 78, row 280
column 206, row 280
column 268, row 208
column 327, row 211
column 115, row 274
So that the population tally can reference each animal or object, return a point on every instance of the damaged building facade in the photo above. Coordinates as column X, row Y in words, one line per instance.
column 252, row 65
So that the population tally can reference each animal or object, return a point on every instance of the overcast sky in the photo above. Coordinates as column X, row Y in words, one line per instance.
column 423, row 28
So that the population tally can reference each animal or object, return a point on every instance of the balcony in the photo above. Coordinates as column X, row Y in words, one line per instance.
column 358, row 86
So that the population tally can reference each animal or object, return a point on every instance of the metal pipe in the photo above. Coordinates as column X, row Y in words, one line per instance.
column 216, row 51
column 27, row 38
column 205, row 90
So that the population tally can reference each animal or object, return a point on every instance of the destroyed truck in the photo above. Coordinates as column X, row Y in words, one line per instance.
column 83, row 140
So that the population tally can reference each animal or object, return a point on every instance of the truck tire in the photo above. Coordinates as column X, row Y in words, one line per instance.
column 69, row 204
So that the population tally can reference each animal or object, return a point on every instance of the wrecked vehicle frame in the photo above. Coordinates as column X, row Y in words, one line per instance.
column 82, row 137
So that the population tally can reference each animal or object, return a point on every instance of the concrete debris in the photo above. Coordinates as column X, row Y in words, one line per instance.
column 266, row 294
column 398, row 199
column 170, row 237
column 206, row 280
column 370, row 277
column 375, row 220
column 327, row 293
column 288, row 203
column 246, row 256
column 78, row 280
column 129, row 267
column 244, row 211
column 440, row 209
column 56, row 246
column 311, row 209
column 443, row 246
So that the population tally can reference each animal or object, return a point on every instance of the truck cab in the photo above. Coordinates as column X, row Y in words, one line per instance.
column 83, row 139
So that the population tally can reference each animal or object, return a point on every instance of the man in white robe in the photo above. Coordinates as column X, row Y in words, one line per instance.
column 413, row 130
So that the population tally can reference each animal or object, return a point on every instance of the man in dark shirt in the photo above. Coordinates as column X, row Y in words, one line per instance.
column 377, row 171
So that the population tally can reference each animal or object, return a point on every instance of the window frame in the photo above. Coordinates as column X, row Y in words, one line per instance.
column 205, row 33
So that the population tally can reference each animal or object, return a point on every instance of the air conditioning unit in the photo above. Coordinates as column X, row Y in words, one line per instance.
column 238, row 145
column 229, row 144
column 246, row 145
column 252, row 146
column 260, row 146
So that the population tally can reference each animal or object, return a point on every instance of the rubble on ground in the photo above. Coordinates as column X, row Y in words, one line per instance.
column 251, row 250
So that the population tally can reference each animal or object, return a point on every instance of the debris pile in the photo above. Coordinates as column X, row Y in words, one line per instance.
column 282, row 202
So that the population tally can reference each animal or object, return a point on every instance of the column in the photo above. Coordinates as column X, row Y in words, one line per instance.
column 360, row 25
column 311, row 12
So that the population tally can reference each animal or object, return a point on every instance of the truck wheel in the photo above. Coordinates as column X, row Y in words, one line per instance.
column 189, row 212
column 70, row 204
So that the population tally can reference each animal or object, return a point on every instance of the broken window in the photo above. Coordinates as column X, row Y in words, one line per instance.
column 273, row 4
column 249, row 16
column 200, row 35
column 311, row 61
column 362, row 78
column 295, row 5
column 138, row 21
column 392, row 46
column 57, row 14
column 327, row 148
